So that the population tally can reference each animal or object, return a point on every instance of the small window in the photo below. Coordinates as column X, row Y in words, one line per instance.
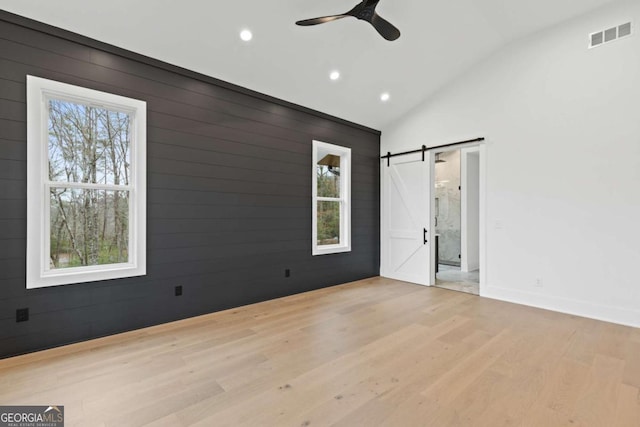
column 86, row 185
column 331, row 199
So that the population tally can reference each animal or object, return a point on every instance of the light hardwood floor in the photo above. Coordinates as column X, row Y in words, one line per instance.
column 373, row 352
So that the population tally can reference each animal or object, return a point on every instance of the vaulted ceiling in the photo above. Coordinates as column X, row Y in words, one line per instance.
column 440, row 40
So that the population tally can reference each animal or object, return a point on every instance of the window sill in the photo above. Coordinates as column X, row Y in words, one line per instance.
column 328, row 250
column 85, row 274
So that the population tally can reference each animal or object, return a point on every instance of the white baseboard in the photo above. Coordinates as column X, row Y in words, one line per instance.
column 605, row 313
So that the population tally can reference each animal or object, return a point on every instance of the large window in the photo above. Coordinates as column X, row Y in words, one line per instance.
column 331, row 198
column 86, row 186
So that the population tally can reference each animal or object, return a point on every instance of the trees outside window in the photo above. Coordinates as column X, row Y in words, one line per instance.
column 331, row 198
column 86, row 179
column 88, row 145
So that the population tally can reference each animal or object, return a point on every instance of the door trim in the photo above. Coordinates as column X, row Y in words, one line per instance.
column 481, row 148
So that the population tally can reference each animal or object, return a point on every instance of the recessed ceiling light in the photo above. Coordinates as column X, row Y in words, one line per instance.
column 246, row 35
column 385, row 97
column 334, row 75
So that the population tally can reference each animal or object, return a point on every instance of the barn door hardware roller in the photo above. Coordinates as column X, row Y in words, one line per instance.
column 424, row 149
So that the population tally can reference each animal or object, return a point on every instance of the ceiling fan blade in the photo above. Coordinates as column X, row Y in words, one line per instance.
column 321, row 20
column 384, row 27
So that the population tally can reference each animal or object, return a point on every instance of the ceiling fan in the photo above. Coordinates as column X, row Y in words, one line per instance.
column 365, row 11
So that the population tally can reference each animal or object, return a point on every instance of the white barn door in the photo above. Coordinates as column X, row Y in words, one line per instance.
column 407, row 237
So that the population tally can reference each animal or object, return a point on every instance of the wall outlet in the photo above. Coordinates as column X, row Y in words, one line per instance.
column 178, row 290
column 22, row 315
column 287, row 273
column 538, row 282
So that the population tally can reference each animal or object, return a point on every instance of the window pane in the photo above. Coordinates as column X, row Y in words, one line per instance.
column 88, row 144
column 328, row 170
column 88, row 227
column 328, row 223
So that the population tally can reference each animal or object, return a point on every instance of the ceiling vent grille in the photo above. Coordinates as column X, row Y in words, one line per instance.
column 609, row 35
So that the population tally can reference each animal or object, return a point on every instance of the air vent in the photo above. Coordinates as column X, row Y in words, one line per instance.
column 597, row 39
column 610, row 34
column 624, row 30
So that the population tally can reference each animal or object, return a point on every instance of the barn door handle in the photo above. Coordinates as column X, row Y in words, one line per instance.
column 424, row 235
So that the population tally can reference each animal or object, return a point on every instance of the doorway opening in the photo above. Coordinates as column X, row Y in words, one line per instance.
column 408, row 226
column 456, row 208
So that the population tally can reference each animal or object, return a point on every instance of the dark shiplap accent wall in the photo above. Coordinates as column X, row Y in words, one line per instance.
column 229, row 194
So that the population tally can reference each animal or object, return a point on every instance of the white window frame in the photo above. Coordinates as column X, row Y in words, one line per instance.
column 39, row 274
column 344, row 199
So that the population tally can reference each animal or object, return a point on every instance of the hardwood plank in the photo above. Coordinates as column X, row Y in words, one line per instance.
column 543, row 416
column 562, row 392
column 628, row 409
column 599, row 399
column 613, row 340
column 371, row 352
column 631, row 375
